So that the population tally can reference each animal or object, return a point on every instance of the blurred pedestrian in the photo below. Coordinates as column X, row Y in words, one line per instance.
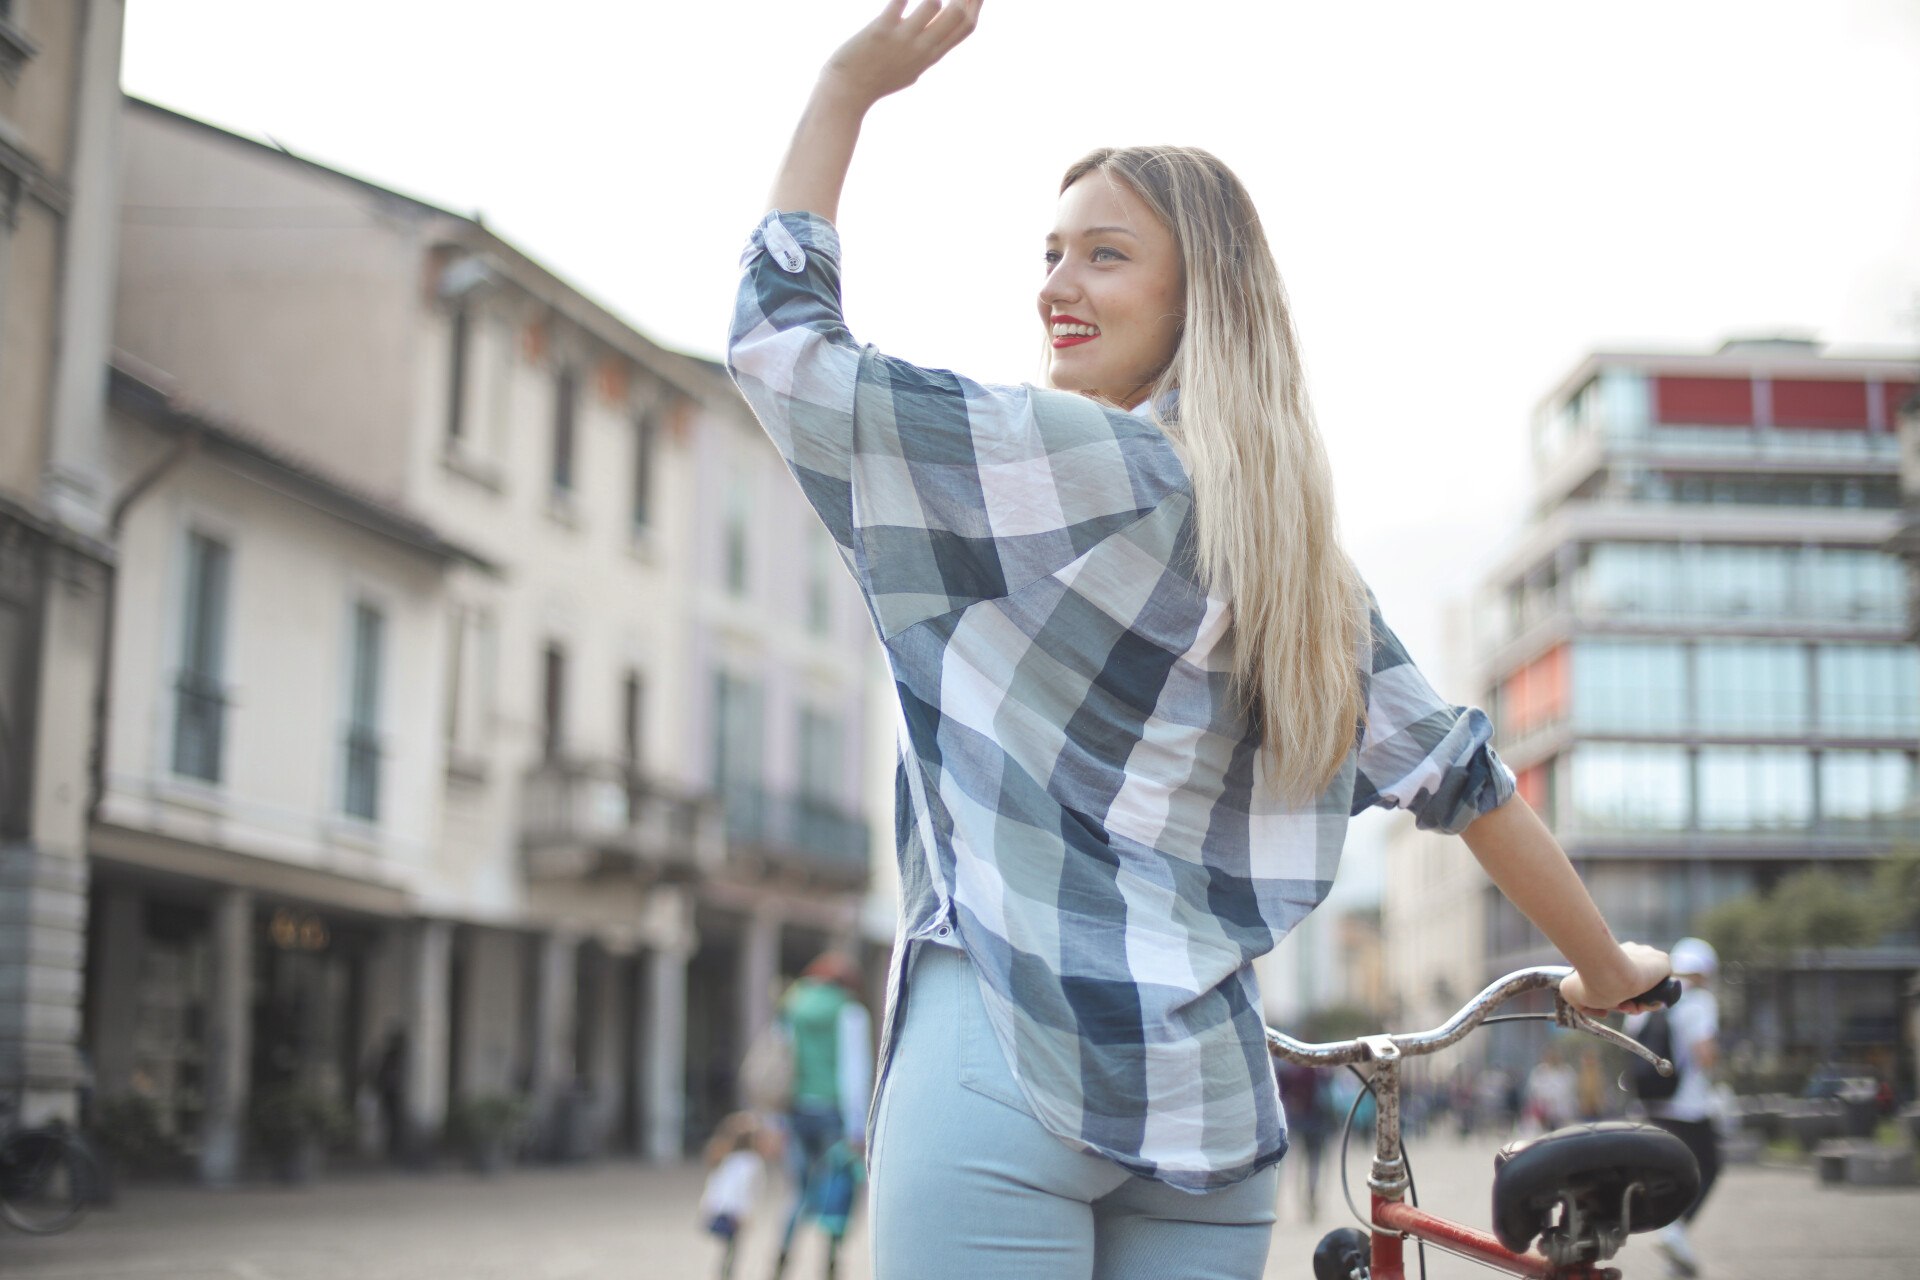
column 1307, row 1101
column 1593, row 1085
column 1553, row 1091
column 831, row 1036
column 735, row 1166
column 390, row 1087
column 1694, row 1029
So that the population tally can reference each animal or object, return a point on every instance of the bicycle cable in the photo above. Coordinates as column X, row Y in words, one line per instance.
column 1346, row 1186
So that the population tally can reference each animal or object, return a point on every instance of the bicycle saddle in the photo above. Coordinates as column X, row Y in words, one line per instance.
column 1591, row 1169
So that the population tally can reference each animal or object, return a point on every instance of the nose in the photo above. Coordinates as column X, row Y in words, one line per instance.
column 1060, row 286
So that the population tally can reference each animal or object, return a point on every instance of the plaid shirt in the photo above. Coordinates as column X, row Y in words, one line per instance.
column 1082, row 803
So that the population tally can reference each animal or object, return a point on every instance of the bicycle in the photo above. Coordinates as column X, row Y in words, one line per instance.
column 47, row 1177
column 1580, row 1191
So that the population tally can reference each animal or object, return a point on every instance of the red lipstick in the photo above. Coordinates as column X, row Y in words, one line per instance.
column 1072, row 339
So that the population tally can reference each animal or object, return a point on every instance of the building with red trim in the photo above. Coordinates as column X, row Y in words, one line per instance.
column 1699, row 660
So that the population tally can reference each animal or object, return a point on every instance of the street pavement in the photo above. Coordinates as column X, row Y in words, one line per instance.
column 623, row 1222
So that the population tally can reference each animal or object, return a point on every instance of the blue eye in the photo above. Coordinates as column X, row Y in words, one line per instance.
column 1052, row 256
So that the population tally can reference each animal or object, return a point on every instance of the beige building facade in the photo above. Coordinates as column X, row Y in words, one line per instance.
column 59, row 115
column 485, row 718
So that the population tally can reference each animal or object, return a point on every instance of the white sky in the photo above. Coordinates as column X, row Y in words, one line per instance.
column 1464, row 198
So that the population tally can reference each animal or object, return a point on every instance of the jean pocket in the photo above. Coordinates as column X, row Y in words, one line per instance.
column 983, row 1067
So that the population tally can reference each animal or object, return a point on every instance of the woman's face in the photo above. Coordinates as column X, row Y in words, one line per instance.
column 1113, row 298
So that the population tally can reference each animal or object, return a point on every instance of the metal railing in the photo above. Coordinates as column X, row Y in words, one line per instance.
column 796, row 833
column 593, row 817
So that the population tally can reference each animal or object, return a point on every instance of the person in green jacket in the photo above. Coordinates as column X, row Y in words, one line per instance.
column 831, row 1036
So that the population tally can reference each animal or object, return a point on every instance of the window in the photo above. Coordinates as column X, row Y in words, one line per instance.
column 630, row 708
column 1755, row 788
column 470, row 675
column 362, row 798
column 1752, row 688
column 1630, row 788
column 1871, row 792
column 459, row 338
column 735, row 536
column 200, row 701
column 821, row 562
column 1867, row 690
column 1630, row 579
column 645, row 436
column 566, row 395
column 553, row 701
column 1629, row 687
column 736, row 754
column 1856, row 585
column 1743, row 582
column 820, row 765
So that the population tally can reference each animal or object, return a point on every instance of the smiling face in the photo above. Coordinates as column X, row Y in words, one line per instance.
column 1113, row 298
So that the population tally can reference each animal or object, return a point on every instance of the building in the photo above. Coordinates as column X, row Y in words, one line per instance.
column 519, row 759
column 1698, row 656
column 59, row 118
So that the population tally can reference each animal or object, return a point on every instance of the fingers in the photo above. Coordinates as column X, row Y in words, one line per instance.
column 960, row 17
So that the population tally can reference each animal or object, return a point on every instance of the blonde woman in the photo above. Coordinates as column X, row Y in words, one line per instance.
column 1141, row 690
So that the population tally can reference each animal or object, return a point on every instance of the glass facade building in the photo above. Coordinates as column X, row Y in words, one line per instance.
column 1699, row 657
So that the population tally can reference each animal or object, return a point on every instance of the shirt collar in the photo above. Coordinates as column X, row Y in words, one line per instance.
column 1166, row 407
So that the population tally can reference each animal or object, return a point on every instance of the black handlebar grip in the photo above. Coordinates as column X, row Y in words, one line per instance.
column 1667, row 993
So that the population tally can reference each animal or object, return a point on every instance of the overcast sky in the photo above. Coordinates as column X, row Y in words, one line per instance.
column 1464, row 199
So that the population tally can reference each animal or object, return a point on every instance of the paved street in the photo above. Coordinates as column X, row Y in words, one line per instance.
column 619, row 1222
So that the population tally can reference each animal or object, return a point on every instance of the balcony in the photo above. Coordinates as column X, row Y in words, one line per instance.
column 591, row 819
column 795, row 835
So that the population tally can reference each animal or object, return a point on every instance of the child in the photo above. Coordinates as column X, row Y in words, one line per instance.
column 734, row 1162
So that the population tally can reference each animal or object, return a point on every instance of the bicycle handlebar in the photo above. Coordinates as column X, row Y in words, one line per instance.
column 1378, row 1047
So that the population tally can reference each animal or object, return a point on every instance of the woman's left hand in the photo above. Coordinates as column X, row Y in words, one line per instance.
column 892, row 51
column 1645, row 968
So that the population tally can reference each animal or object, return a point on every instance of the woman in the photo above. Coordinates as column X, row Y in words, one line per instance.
column 1141, row 690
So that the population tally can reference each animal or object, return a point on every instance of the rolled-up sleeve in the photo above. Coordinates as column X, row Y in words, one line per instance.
column 940, row 491
column 1419, row 752
column 793, row 359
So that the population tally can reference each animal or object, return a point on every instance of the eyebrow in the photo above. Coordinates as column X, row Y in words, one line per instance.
column 1094, row 231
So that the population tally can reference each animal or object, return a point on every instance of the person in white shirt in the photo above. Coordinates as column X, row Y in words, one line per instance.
column 1688, row 1114
column 735, row 1167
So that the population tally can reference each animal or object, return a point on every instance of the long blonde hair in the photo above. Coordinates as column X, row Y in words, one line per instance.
column 1263, row 492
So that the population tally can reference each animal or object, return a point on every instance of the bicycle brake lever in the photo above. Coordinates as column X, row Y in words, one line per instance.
column 1568, row 1016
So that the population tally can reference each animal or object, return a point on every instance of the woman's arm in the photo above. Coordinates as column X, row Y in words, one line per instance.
column 884, row 57
column 1522, row 858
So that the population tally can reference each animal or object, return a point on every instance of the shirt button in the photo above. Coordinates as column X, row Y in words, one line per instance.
column 785, row 249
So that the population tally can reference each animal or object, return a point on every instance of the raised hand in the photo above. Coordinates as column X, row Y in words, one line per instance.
column 892, row 51
column 884, row 57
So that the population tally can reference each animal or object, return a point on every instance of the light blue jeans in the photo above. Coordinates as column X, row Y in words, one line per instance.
column 966, row 1184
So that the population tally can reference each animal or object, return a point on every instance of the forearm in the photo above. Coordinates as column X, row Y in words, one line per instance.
column 1527, row 864
column 815, row 168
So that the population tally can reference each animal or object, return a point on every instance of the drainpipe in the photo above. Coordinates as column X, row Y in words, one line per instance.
column 183, row 448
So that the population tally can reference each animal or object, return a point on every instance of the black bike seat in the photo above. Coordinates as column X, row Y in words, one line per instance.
column 1597, row 1163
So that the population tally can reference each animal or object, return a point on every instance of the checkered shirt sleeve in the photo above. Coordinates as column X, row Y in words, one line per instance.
column 1419, row 752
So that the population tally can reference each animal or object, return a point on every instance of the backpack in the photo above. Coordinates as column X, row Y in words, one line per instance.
column 1646, row 1083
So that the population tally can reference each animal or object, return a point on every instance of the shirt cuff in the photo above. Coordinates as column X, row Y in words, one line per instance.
column 1478, row 784
column 787, row 237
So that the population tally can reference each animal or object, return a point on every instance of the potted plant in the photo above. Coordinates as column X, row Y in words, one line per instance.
column 294, row 1125
column 488, row 1129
